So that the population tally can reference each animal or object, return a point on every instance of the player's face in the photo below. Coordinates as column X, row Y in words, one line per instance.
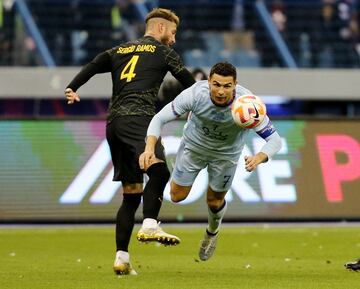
column 222, row 89
column 168, row 33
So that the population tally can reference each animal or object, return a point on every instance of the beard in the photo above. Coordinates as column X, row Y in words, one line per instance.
column 165, row 40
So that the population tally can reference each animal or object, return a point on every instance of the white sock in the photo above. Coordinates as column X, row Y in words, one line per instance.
column 123, row 255
column 150, row 223
column 214, row 219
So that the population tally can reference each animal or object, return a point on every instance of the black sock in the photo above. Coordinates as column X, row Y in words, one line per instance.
column 125, row 220
column 211, row 234
column 154, row 189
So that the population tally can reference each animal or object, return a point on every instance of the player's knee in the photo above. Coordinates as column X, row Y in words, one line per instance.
column 132, row 188
column 160, row 171
column 178, row 193
column 177, row 196
column 215, row 204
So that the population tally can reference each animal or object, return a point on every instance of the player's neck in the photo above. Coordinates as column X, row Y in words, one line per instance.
column 153, row 35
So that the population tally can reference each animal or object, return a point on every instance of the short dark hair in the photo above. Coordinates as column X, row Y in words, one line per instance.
column 223, row 69
column 163, row 13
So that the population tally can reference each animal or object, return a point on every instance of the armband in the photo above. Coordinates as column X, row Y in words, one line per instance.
column 268, row 130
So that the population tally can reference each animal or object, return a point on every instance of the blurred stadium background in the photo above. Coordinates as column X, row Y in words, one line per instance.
column 301, row 57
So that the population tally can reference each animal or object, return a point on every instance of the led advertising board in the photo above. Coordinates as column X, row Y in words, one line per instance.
column 61, row 171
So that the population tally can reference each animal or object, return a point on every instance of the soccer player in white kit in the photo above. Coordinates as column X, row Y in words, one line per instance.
column 210, row 139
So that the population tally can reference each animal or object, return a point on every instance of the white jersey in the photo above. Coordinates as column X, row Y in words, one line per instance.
column 210, row 129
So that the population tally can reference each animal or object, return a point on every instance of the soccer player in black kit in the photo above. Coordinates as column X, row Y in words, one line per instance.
column 137, row 68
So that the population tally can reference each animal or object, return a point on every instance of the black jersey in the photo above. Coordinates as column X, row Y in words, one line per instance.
column 138, row 69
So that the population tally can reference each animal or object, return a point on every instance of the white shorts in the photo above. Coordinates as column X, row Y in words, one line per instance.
column 189, row 163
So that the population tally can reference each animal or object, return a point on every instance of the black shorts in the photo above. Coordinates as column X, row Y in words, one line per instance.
column 126, row 138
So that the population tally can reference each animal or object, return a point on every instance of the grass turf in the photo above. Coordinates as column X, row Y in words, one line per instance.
column 246, row 258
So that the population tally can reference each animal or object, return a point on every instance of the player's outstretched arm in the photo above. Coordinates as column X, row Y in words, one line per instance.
column 100, row 64
column 147, row 158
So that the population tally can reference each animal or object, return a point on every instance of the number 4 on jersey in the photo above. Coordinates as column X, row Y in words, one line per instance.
column 128, row 71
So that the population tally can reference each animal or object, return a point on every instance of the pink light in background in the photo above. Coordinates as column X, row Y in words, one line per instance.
column 335, row 173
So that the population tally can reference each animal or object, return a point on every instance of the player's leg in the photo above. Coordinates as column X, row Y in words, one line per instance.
column 216, row 210
column 178, row 192
column 221, row 173
column 158, row 174
column 149, row 231
column 153, row 196
column 125, row 220
column 187, row 166
column 126, row 171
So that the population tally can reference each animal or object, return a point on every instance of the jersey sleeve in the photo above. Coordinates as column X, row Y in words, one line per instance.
column 173, row 60
column 184, row 102
column 163, row 116
column 185, row 78
column 100, row 64
column 177, row 68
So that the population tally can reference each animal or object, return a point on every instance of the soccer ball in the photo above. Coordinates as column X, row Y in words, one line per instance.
column 248, row 111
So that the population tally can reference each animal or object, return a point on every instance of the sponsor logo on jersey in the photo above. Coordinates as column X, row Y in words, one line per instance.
column 216, row 115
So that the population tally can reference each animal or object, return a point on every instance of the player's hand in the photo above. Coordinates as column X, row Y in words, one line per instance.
column 146, row 159
column 251, row 162
column 71, row 96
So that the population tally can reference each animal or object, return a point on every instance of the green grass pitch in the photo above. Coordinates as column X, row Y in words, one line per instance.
column 246, row 257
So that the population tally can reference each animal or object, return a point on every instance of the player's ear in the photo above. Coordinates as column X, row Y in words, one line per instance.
column 235, row 80
column 161, row 27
